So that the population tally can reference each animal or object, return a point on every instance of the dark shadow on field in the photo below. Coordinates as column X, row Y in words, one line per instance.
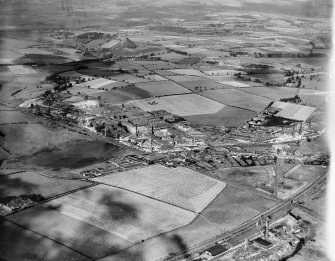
column 7, row 183
column 83, row 241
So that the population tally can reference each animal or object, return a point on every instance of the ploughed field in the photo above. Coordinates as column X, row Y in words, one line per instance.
column 180, row 186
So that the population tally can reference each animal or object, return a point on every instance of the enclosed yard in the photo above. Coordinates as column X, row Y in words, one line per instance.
column 102, row 220
column 162, row 88
column 238, row 98
column 182, row 105
column 180, row 187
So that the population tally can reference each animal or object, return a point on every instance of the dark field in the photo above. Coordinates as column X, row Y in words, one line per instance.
column 17, row 243
column 27, row 183
column 73, row 155
column 228, row 116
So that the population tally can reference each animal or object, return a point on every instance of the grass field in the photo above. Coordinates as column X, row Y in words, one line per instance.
column 231, row 208
column 194, row 83
column 102, row 220
column 273, row 93
column 181, row 187
column 228, row 116
column 29, row 246
column 122, row 95
column 162, row 88
column 182, row 105
column 238, row 98
column 187, row 72
column 27, row 183
column 25, row 139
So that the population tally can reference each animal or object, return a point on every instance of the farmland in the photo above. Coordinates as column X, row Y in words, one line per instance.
column 187, row 72
column 120, row 219
column 228, row 116
column 182, row 105
column 195, row 83
column 162, row 88
column 29, row 245
column 273, row 93
column 231, row 208
column 181, row 187
column 27, row 183
column 238, row 98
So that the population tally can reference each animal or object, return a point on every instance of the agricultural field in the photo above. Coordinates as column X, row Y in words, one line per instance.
column 155, row 77
column 228, row 117
column 29, row 245
column 83, row 90
column 273, row 93
column 9, row 57
column 182, row 105
column 119, row 220
column 180, row 187
column 29, row 182
column 121, row 95
column 187, row 72
column 96, row 83
column 229, row 209
column 236, row 84
column 196, row 83
column 25, row 139
column 238, row 98
column 162, row 88
column 223, row 72
column 129, row 78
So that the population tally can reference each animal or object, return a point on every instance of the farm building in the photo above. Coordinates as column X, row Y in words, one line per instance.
column 293, row 111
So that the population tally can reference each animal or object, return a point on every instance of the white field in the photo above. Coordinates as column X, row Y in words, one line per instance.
column 180, row 186
column 187, row 72
column 96, row 83
column 21, row 69
column 182, row 105
column 236, row 84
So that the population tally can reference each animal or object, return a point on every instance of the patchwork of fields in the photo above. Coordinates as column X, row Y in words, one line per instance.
column 109, row 219
column 238, row 98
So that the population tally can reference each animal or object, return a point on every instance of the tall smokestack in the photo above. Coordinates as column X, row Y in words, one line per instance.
column 246, row 244
column 266, row 236
column 136, row 130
